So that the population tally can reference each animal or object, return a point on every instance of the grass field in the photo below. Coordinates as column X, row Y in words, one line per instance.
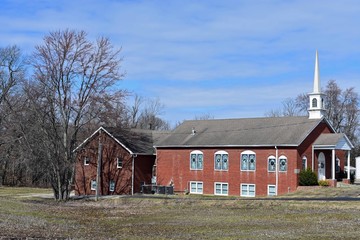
column 23, row 213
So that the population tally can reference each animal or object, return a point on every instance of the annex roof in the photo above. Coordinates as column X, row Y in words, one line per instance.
column 135, row 141
column 269, row 131
column 333, row 141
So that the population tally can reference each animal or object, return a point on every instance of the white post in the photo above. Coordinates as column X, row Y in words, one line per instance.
column 333, row 164
column 348, row 164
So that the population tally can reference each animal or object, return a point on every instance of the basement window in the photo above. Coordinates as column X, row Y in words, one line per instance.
column 112, row 186
column 271, row 190
column 221, row 188
column 93, row 185
column 247, row 190
column 196, row 187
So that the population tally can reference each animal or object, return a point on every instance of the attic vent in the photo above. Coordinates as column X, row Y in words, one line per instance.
column 193, row 131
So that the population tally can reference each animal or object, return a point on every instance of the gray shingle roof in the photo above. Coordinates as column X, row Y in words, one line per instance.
column 273, row 131
column 138, row 141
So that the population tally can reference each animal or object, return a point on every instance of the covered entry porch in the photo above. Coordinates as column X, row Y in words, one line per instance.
column 330, row 154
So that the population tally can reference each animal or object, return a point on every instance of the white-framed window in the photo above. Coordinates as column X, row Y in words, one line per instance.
column 112, row 186
column 86, row 161
column 196, row 187
column 248, row 161
column 119, row 162
column 271, row 164
column 196, row 160
column 283, row 164
column 304, row 163
column 221, row 188
column 221, row 161
column 314, row 103
column 272, row 190
column 93, row 185
column 247, row 190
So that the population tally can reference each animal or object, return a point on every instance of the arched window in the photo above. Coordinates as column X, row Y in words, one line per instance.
column 314, row 103
column 196, row 160
column 221, row 160
column 282, row 164
column 248, row 161
column 271, row 164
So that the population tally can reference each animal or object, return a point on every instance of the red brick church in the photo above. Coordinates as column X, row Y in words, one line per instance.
column 238, row 157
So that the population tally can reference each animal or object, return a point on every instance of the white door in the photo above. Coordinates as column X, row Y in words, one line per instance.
column 321, row 166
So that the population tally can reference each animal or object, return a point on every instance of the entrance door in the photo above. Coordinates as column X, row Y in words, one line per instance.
column 321, row 166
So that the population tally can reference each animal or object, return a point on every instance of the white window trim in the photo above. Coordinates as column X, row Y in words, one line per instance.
column 287, row 163
column 196, row 182
column 91, row 185
column 268, row 192
column 197, row 152
column 221, row 153
column 247, row 184
column 117, row 162
column 247, row 152
column 221, row 194
column 86, row 159
column 271, row 157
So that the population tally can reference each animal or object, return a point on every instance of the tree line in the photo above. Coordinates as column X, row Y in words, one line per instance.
column 54, row 98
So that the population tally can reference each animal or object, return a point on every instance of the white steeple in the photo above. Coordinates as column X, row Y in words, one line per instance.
column 316, row 74
column 316, row 109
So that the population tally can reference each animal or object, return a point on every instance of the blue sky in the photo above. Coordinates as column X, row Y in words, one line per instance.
column 228, row 59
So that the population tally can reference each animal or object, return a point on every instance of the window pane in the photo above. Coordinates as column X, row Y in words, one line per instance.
column 272, row 165
column 272, row 190
column 200, row 161
column 193, row 161
column 251, row 190
column 224, row 189
column 304, row 163
column 218, row 161
column 218, row 188
column 282, row 163
column 199, row 187
column 225, row 161
column 112, row 186
column 252, row 162
column 244, row 162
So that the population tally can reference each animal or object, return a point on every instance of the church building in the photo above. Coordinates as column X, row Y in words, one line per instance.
column 230, row 157
column 253, row 156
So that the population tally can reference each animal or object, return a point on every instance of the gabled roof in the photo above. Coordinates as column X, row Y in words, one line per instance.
column 333, row 141
column 135, row 141
column 273, row 131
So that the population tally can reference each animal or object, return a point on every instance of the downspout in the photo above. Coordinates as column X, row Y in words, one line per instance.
column 98, row 170
column 276, row 170
column 312, row 158
column 133, row 172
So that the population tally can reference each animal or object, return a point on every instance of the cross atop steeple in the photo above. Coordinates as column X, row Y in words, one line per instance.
column 316, row 110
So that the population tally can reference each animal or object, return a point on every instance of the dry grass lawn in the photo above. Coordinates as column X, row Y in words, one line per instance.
column 23, row 214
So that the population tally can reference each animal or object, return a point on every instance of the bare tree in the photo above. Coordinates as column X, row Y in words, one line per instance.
column 70, row 73
column 135, row 111
column 12, row 71
column 150, row 116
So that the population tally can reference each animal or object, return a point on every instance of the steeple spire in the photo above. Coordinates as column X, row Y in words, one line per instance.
column 316, row 75
column 316, row 109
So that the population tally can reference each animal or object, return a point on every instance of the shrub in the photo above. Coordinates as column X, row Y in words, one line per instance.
column 324, row 183
column 307, row 178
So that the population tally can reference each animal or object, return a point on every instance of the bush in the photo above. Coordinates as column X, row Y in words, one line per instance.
column 324, row 183
column 307, row 178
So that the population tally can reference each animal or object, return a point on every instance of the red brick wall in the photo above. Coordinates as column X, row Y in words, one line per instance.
column 174, row 165
column 109, row 171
